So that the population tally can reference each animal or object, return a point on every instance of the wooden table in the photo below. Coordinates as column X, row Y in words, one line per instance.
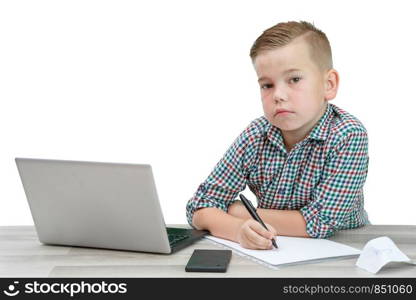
column 22, row 255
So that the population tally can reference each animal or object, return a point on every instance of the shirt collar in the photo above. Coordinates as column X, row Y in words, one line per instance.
column 319, row 132
column 321, row 129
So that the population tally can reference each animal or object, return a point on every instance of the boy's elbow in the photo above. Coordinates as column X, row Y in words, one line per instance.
column 319, row 226
column 323, row 232
column 319, row 230
column 196, row 219
column 200, row 217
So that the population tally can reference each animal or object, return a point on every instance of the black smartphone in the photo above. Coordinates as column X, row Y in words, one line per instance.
column 209, row 261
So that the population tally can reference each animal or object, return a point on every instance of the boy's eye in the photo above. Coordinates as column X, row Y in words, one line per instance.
column 266, row 86
column 295, row 79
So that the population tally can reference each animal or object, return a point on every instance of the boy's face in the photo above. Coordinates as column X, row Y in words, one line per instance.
column 290, row 80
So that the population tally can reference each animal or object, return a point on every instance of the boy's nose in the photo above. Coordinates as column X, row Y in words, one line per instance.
column 279, row 95
column 279, row 98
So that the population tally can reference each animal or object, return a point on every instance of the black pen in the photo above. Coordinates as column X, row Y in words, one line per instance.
column 254, row 214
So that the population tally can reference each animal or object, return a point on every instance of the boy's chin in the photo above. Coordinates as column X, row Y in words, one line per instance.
column 284, row 126
column 287, row 128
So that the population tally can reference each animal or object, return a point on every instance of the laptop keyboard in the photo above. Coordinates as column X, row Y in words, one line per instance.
column 174, row 238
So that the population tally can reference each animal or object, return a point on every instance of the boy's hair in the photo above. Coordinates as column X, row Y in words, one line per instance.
column 282, row 34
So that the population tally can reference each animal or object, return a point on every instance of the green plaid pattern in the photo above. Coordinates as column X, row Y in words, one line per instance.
column 322, row 176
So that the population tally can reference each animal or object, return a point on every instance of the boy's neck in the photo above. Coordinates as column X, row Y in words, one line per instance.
column 290, row 142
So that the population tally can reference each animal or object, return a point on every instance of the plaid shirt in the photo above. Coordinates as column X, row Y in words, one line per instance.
column 322, row 176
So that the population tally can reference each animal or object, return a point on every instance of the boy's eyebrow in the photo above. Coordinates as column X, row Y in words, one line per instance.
column 284, row 72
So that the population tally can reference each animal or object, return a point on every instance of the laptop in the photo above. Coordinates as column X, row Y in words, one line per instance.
column 99, row 205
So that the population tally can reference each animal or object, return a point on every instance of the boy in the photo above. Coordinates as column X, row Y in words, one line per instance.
column 305, row 160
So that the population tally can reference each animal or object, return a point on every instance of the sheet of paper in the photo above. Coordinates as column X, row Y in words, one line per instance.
column 379, row 252
column 293, row 250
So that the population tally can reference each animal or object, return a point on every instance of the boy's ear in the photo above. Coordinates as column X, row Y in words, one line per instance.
column 331, row 84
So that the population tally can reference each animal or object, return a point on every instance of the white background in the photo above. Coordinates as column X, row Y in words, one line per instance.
column 171, row 83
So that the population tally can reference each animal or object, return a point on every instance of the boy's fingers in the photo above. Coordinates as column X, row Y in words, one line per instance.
column 271, row 229
column 257, row 240
column 257, row 227
column 257, row 237
column 250, row 244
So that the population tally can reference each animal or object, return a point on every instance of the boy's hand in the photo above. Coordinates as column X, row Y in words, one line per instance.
column 253, row 235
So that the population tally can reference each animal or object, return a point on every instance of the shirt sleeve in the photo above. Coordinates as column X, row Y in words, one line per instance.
column 228, row 178
column 340, row 191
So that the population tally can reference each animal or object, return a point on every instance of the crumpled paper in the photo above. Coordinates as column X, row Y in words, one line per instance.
column 379, row 252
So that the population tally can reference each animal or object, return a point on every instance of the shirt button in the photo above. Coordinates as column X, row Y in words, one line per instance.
column 282, row 191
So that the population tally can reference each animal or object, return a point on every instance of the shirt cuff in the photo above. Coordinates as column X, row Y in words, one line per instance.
column 202, row 200
column 317, row 225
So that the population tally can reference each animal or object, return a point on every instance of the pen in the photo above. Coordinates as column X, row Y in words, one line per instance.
column 254, row 214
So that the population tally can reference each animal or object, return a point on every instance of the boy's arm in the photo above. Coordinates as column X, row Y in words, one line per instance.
column 218, row 222
column 337, row 201
column 229, row 176
column 286, row 222
column 248, row 233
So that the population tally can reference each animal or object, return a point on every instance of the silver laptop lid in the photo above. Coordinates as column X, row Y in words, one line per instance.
column 94, row 204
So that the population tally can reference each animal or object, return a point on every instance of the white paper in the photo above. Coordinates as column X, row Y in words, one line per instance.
column 292, row 250
column 379, row 252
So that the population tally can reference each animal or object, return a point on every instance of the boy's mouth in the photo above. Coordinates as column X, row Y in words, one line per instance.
column 282, row 112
